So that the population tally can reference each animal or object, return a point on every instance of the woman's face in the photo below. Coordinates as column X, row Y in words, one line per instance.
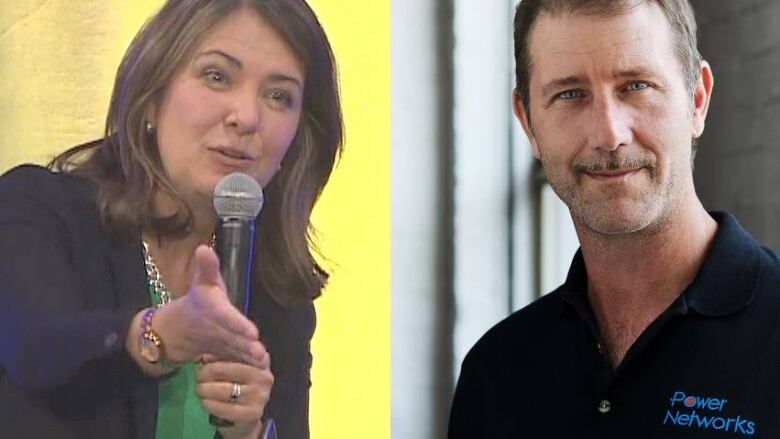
column 234, row 106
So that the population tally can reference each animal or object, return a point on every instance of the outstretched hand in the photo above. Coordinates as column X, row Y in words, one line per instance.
column 205, row 322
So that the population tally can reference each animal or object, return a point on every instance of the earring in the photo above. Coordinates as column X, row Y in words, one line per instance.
column 148, row 127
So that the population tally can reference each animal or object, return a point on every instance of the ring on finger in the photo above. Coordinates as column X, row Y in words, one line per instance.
column 235, row 393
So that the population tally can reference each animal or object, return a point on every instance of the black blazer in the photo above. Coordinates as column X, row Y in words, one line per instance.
column 67, row 295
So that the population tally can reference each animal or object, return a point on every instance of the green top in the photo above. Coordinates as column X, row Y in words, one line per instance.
column 180, row 415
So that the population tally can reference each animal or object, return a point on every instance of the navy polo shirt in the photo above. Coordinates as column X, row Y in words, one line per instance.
column 707, row 367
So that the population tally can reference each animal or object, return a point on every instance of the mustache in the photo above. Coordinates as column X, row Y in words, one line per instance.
column 614, row 163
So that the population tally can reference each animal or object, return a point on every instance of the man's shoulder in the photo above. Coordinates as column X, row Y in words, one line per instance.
column 522, row 331
column 768, row 272
column 767, row 293
column 770, row 259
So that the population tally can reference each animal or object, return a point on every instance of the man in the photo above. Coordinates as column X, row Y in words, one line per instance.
column 667, row 325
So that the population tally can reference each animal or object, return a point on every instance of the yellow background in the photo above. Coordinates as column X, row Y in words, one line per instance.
column 57, row 63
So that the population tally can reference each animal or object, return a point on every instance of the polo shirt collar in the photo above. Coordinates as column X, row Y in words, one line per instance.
column 728, row 276
column 724, row 284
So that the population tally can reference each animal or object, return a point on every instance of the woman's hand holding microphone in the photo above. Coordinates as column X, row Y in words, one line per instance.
column 234, row 380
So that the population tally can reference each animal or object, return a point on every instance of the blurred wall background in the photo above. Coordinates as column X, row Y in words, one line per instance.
column 476, row 231
column 738, row 163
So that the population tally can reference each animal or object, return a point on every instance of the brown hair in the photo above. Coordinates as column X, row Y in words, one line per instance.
column 679, row 13
column 126, row 165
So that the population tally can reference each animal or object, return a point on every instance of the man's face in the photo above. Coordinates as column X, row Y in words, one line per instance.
column 611, row 118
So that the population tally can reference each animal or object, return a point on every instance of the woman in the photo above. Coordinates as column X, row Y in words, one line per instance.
column 114, row 319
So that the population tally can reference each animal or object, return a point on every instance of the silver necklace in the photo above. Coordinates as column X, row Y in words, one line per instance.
column 154, row 278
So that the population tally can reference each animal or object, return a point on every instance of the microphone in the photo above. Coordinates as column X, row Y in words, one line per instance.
column 238, row 199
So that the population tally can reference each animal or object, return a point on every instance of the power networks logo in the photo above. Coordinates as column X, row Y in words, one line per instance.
column 711, row 415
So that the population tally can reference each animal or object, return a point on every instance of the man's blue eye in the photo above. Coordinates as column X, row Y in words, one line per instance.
column 569, row 95
column 636, row 86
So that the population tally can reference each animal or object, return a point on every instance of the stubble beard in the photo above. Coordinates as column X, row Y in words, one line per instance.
column 643, row 213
